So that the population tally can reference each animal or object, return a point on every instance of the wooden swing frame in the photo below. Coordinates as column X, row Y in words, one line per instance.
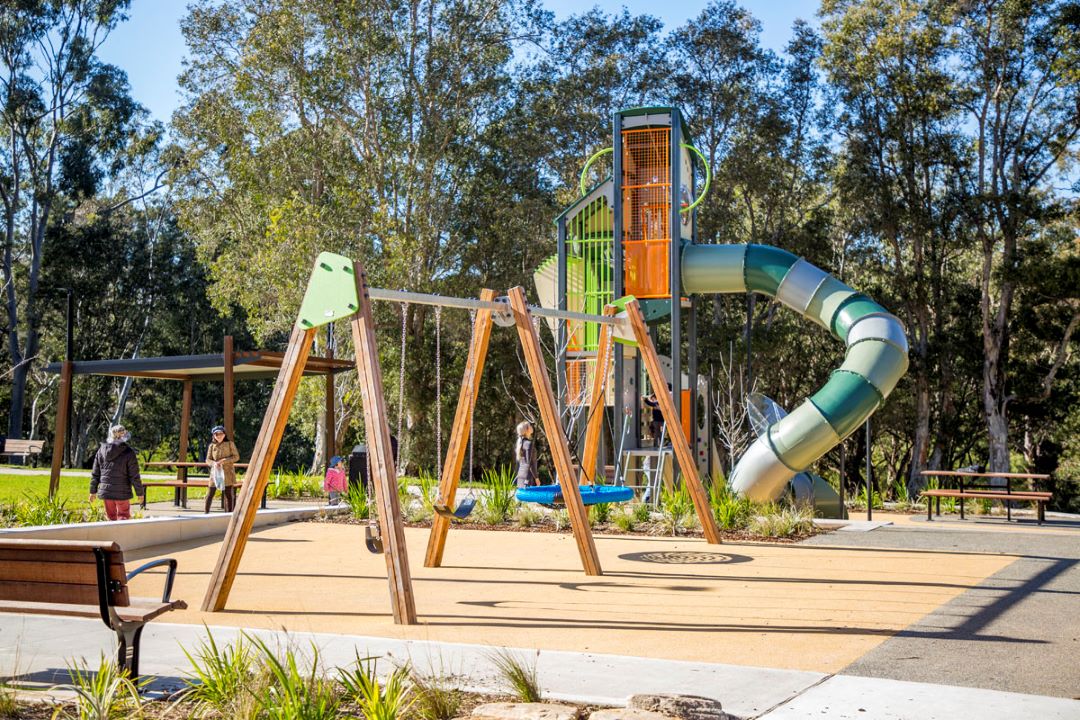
column 383, row 470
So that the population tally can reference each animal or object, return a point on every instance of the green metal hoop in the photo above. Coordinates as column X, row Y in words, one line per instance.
column 585, row 169
column 708, row 179
column 688, row 208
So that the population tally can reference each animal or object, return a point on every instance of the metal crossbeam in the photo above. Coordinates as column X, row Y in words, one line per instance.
column 500, row 306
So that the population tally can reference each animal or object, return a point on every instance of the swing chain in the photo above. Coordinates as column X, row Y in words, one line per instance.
column 438, row 389
column 401, row 370
column 472, row 402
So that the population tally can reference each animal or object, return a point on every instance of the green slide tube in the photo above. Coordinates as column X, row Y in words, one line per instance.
column 876, row 358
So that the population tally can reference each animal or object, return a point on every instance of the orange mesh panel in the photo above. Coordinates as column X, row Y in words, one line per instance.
column 579, row 381
column 646, row 188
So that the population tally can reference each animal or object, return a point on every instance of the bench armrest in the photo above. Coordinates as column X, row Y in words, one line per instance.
column 169, row 577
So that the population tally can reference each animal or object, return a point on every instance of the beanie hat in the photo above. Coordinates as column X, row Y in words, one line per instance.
column 118, row 434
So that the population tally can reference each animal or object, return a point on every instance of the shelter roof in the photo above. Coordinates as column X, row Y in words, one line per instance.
column 247, row 365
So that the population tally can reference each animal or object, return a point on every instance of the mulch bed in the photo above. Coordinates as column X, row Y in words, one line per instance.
column 642, row 530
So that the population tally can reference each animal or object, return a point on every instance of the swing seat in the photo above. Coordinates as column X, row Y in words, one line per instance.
column 551, row 495
column 463, row 509
column 372, row 540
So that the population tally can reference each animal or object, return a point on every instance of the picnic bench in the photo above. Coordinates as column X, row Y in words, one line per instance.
column 977, row 490
column 25, row 448
column 181, row 484
column 82, row 578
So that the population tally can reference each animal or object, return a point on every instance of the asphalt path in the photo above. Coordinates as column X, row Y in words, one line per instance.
column 1018, row 630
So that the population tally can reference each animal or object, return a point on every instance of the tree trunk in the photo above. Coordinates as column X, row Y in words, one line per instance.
column 920, row 448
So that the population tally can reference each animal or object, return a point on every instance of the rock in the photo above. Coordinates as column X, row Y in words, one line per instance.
column 525, row 711
column 682, row 707
column 628, row 714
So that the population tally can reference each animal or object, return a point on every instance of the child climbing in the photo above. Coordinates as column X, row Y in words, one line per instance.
column 525, row 454
column 336, row 478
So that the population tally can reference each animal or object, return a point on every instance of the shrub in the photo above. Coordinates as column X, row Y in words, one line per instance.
column 357, row 500
column 624, row 519
column 676, row 510
column 519, row 674
column 527, row 516
column 600, row 512
column 295, row 485
column 291, row 693
column 222, row 678
column 404, row 495
column 429, row 491
column 497, row 503
column 732, row 511
column 560, row 519
column 385, row 701
column 782, row 522
column 642, row 513
column 105, row 694
column 434, row 697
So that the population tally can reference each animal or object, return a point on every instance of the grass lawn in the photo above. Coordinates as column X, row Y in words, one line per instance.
column 75, row 490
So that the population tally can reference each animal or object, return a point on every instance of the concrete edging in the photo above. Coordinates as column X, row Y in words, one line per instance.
column 135, row 534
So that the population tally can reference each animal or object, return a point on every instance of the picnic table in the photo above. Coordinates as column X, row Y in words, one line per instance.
column 980, row 487
column 181, row 483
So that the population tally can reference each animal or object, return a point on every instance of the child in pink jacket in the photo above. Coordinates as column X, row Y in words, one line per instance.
column 336, row 479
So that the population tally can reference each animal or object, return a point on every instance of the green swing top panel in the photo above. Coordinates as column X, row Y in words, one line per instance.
column 330, row 294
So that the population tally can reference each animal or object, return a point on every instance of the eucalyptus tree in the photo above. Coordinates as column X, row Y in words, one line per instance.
column 66, row 119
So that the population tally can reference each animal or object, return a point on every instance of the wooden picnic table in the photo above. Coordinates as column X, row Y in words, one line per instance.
column 986, row 490
column 181, row 483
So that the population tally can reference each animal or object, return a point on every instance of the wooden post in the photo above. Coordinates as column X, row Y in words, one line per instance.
column 185, row 430
column 329, row 421
column 262, row 460
column 596, row 406
column 229, row 387
column 459, row 435
column 380, row 455
column 63, row 407
column 678, row 438
column 560, row 450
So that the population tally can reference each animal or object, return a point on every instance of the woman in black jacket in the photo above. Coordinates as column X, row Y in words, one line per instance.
column 116, row 475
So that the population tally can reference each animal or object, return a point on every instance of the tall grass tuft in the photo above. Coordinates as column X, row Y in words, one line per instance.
column 642, row 513
column 357, row 500
column 519, row 674
column 222, row 679
column 293, row 694
column 105, row 694
column 527, row 516
column 780, row 522
column 600, row 513
column 497, row 503
column 624, row 519
column 676, row 510
column 435, row 697
column 560, row 519
column 389, row 700
column 732, row 511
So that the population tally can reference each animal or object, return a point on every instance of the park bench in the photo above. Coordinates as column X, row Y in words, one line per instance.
column 82, row 578
column 986, row 492
column 24, row 448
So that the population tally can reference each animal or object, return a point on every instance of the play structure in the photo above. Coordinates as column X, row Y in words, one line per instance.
column 633, row 234
column 626, row 257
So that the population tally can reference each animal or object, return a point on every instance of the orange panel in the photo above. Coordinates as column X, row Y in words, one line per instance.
column 646, row 188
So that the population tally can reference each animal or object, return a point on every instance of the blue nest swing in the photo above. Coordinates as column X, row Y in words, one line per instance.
column 590, row 494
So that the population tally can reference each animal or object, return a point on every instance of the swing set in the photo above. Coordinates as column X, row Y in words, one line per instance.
column 338, row 290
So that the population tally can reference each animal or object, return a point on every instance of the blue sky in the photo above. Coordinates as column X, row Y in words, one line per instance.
column 150, row 48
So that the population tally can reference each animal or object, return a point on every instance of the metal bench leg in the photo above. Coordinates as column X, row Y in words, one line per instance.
column 1008, row 511
column 929, row 509
column 128, row 636
column 1041, row 505
column 961, row 508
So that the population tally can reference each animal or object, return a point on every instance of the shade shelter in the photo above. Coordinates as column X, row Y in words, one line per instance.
column 226, row 367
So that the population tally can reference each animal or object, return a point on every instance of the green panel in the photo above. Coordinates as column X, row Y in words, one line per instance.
column 826, row 501
column 331, row 292
column 846, row 400
column 802, row 437
column 713, row 269
column 766, row 266
column 655, row 309
column 880, row 362
column 852, row 309
column 827, row 299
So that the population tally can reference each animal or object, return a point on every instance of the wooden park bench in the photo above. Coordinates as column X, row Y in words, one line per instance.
column 982, row 491
column 82, row 578
column 24, row 448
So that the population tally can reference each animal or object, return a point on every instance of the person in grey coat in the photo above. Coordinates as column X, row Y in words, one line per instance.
column 116, row 475
column 525, row 455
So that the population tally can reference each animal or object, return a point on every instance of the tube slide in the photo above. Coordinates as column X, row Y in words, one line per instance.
column 876, row 356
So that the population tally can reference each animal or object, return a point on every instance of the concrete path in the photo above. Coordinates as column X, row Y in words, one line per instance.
column 1017, row 630
column 42, row 648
